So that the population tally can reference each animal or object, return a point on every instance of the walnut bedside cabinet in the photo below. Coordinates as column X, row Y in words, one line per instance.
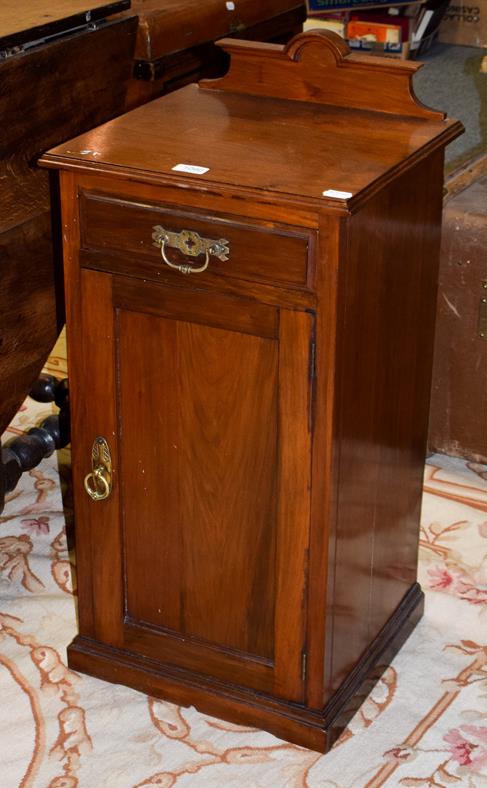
column 251, row 271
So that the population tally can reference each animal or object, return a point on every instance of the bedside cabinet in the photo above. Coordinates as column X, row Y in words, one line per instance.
column 251, row 273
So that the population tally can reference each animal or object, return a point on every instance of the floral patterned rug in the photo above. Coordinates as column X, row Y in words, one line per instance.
column 425, row 723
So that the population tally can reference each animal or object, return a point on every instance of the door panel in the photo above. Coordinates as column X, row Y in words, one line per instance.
column 210, row 506
column 198, row 470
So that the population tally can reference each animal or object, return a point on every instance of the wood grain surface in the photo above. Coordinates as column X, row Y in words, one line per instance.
column 29, row 316
column 296, row 152
column 319, row 67
column 67, row 99
column 200, row 481
column 26, row 22
column 47, row 94
column 267, row 254
column 458, row 405
column 175, row 40
column 387, row 290
column 257, row 555
column 174, row 25
column 224, row 515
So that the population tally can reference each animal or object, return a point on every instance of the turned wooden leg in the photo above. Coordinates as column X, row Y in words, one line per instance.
column 26, row 451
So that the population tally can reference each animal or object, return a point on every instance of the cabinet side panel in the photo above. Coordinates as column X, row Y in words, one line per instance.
column 385, row 341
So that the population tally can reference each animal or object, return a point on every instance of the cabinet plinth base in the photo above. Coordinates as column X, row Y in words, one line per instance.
column 317, row 730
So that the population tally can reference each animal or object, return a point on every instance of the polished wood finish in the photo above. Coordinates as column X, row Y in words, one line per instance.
column 237, row 475
column 49, row 92
column 385, row 349
column 308, row 727
column 307, row 70
column 114, row 227
column 267, row 418
column 216, row 439
column 225, row 132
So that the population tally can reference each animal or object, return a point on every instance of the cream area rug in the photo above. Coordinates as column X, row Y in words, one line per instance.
column 425, row 723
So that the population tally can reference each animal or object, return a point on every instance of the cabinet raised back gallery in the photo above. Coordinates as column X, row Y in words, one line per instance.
column 251, row 273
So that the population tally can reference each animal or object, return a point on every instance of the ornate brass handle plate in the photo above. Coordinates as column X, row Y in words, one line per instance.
column 192, row 245
column 98, row 483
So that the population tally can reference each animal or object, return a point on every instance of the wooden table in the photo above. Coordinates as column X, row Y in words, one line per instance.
column 65, row 69
column 175, row 39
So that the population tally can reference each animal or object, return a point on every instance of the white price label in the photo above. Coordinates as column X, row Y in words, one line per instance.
column 337, row 194
column 193, row 169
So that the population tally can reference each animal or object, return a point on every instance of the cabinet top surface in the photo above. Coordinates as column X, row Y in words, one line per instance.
column 272, row 144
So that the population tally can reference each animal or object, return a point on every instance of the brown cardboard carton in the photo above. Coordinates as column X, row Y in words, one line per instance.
column 465, row 23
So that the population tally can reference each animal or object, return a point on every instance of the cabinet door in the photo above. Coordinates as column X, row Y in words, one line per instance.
column 198, row 557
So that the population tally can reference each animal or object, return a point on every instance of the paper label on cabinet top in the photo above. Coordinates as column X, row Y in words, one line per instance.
column 191, row 168
column 337, row 194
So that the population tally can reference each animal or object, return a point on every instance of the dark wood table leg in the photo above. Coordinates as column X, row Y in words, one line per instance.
column 26, row 451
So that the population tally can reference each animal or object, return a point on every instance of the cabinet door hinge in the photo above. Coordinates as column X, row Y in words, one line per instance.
column 304, row 658
column 312, row 377
column 312, row 360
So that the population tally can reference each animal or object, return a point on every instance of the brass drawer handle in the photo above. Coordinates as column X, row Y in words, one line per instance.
column 98, row 483
column 190, row 244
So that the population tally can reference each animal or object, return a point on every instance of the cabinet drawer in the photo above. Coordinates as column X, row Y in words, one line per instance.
column 274, row 254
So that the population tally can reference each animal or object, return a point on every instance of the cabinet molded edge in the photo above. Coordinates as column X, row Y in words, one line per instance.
column 317, row 730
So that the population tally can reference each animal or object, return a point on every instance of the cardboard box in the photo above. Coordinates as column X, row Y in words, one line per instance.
column 337, row 23
column 398, row 51
column 465, row 24
column 374, row 31
column 317, row 7
column 366, row 31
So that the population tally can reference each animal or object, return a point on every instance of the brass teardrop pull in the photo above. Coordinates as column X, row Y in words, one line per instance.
column 98, row 483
